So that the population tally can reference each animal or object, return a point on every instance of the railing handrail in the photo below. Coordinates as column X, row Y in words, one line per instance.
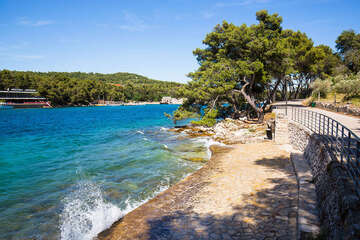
column 341, row 143
column 342, row 125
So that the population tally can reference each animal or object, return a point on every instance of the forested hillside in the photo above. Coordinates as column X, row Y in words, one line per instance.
column 77, row 88
column 118, row 78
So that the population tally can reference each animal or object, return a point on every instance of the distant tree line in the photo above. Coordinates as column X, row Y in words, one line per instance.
column 249, row 67
column 77, row 88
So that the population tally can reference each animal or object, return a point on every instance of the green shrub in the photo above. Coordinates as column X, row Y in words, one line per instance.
column 208, row 120
column 180, row 114
column 349, row 85
column 321, row 86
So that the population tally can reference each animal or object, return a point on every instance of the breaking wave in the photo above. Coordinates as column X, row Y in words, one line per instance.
column 208, row 142
column 86, row 213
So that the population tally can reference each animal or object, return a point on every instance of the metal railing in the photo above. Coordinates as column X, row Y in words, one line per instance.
column 341, row 143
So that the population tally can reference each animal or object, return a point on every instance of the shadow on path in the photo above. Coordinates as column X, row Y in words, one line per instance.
column 268, row 213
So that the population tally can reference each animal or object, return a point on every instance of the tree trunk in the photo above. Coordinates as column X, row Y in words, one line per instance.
column 273, row 93
column 261, row 116
column 236, row 113
column 248, row 98
column 214, row 103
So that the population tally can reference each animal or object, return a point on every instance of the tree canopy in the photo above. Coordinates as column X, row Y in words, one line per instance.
column 250, row 65
column 348, row 45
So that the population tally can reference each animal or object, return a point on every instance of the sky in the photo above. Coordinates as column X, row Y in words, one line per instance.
column 154, row 38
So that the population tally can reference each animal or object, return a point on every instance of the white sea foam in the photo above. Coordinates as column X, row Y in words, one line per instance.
column 86, row 213
column 208, row 142
column 164, row 129
column 141, row 132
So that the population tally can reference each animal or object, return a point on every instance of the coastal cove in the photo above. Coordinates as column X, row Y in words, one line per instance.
column 69, row 173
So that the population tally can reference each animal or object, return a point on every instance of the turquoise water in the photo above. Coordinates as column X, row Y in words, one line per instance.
column 69, row 173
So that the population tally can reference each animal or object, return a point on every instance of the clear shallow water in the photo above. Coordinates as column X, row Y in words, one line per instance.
column 69, row 173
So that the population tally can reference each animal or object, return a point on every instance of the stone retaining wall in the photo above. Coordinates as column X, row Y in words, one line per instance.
column 339, row 206
column 342, row 108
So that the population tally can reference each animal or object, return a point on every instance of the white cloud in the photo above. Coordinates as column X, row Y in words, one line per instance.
column 38, row 23
column 133, row 23
column 179, row 17
column 207, row 14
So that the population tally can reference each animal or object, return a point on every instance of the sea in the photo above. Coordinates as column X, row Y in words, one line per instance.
column 69, row 173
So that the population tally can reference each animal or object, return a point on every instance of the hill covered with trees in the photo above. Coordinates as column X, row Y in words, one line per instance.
column 77, row 88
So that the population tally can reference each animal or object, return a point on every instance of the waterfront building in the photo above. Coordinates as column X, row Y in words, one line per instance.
column 22, row 98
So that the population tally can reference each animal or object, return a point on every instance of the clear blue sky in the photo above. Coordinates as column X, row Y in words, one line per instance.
column 154, row 38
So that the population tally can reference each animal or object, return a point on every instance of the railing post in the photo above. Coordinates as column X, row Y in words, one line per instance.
column 312, row 120
column 342, row 143
column 357, row 152
column 349, row 143
column 302, row 116
column 332, row 132
column 337, row 134
column 297, row 115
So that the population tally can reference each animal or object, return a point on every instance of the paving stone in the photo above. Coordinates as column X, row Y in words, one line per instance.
column 254, row 203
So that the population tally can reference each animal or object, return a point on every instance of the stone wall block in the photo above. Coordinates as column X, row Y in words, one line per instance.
column 344, row 108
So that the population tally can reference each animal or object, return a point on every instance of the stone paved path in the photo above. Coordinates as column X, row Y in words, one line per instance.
column 247, row 192
column 353, row 123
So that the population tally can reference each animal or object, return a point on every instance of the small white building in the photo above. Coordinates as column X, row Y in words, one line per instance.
column 170, row 100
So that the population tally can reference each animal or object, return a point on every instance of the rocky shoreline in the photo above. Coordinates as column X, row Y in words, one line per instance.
column 227, row 131
column 177, row 198
column 181, row 196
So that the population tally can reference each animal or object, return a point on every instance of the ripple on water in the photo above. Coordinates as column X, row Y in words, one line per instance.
column 70, row 173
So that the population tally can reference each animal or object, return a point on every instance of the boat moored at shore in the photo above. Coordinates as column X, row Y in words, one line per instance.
column 22, row 98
